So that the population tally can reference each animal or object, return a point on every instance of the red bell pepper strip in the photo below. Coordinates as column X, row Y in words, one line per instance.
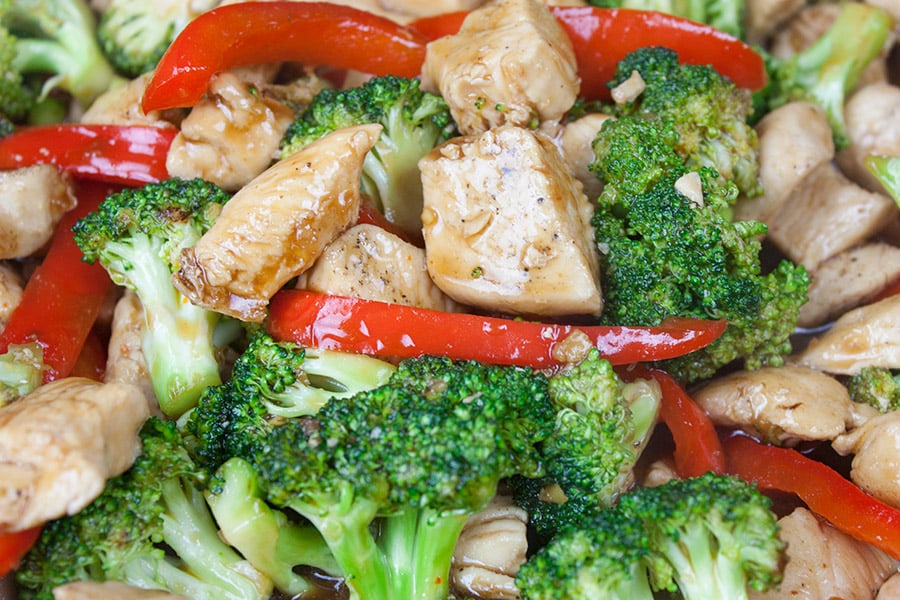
column 603, row 36
column 63, row 297
column 825, row 491
column 13, row 547
column 395, row 330
column 315, row 33
column 131, row 155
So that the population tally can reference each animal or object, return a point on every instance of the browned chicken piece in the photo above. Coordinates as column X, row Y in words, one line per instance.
column 32, row 201
column 121, row 105
column 847, row 280
column 108, row 590
column 794, row 139
column 61, row 443
column 507, row 227
column 764, row 17
column 576, row 143
column 876, row 463
column 781, row 405
column 826, row 214
column 276, row 227
column 125, row 358
column 10, row 292
column 658, row 472
column 872, row 116
column 890, row 589
column 510, row 63
column 489, row 552
column 368, row 262
column 231, row 136
column 867, row 336
column 824, row 563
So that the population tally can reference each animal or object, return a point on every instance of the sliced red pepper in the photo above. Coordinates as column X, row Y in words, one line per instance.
column 13, row 546
column 91, row 361
column 131, row 155
column 63, row 297
column 395, row 330
column 825, row 491
column 315, row 33
column 603, row 36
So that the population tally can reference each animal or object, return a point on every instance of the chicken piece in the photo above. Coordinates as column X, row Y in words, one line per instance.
column 876, row 463
column 872, row 116
column 92, row 590
column 764, row 17
column 658, row 472
column 890, row 589
column 489, row 552
column 507, row 227
column 576, row 144
column 781, row 405
column 867, row 336
column 276, row 227
column 368, row 262
column 428, row 8
column 847, row 280
column 32, row 201
column 60, row 444
column 825, row 215
column 125, row 359
column 511, row 62
column 121, row 105
column 10, row 292
column 794, row 139
column 230, row 136
column 823, row 562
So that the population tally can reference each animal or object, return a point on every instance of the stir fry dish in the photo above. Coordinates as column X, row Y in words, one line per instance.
column 472, row 299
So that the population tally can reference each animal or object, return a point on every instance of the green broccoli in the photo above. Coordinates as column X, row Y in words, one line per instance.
column 876, row 386
column 21, row 371
column 54, row 40
column 602, row 426
column 390, row 476
column 705, row 537
column 414, row 122
column 150, row 528
column 826, row 72
column 137, row 235
column 707, row 110
column 134, row 34
column 724, row 15
column 886, row 170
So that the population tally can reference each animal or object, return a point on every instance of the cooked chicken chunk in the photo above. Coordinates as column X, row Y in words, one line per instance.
column 764, row 17
column 847, row 280
column 827, row 214
column 868, row 336
column 32, row 201
column 10, row 292
column 794, row 139
column 489, row 552
column 231, row 136
column 60, row 444
column 91, row 590
column 125, row 358
column 507, row 227
column 428, row 8
column 276, row 227
column 368, row 262
column 511, row 62
column 826, row 563
column 876, row 463
column 890, row 589
column 781, row 405
column 872, row 116
column 121, row 105
column 576, row 144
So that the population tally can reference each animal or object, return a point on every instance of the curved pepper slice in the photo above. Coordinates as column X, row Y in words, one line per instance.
column 395, row 330
column 316, row 33
column 13, row 547
column 825, row 491
column 127, row 154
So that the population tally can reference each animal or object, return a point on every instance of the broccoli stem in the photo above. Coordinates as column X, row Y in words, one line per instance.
column 704, row 570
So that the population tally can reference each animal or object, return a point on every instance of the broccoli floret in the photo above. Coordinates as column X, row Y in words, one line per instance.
column 272, row 381
column 54, row 40
column 21, row 371
column 602, row 426
column 414, row 122
column 724, row 15
column 876, row 386
column 886, row 170
column 137, row 235
column 390, row 476
column 707, row 110
column 711, row 536
column 826, row 72
column 150, row 527
column 134, row 34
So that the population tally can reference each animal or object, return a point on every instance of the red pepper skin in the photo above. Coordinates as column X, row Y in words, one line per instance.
column 130, row 155
column 315, row 33
column 63, row 296
column 394, row 330
column 825, row 491
column 603, row 36
column 13, row 546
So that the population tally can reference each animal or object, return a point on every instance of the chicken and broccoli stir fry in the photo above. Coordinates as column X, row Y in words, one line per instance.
column 445, row 300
